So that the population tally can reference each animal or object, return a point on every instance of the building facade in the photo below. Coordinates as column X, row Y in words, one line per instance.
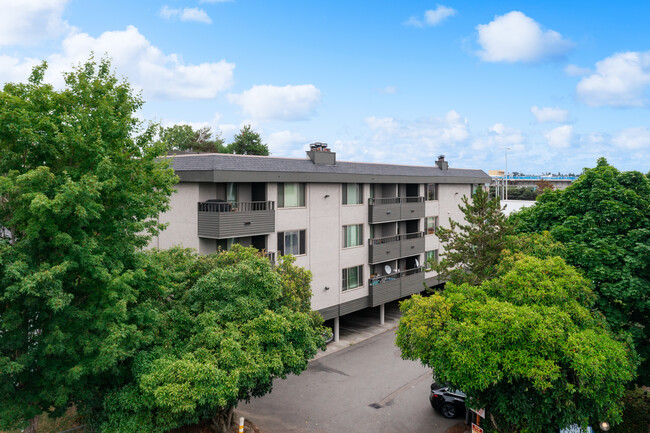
column 365, row 231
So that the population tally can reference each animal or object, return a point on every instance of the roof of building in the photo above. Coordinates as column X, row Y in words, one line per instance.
column 219, row 162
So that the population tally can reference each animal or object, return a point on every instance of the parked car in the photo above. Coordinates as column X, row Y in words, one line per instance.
column 449, row 402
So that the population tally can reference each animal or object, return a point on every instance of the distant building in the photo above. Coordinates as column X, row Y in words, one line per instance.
column 499, row 179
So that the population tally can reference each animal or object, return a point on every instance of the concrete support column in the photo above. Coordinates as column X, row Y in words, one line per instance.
column 382, row 309
column 336, row 328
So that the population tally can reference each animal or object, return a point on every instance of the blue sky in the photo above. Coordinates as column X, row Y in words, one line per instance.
column 559, row 83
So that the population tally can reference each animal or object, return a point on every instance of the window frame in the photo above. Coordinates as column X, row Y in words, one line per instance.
column 435, row 255
column 302, row 242
column 345, row 195
column 431, row 187
column 359, row 236
column 426, row 225
column 345, row 278
column 301, row 195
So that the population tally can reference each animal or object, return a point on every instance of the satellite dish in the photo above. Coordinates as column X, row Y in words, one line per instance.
column 388, row 269
column 417, row 263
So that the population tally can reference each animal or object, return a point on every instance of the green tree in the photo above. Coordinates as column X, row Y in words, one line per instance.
column 472, row 247
column 248, row 142
column 603, row 219
column 81, row 187
column 525, row 345
column 229, row 324
column 185, row 138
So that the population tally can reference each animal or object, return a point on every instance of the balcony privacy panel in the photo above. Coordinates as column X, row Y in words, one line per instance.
column 412, row 283
column 224, row 220
column 411, row 209
column 384, row 290
column 381, row 213
column 411, row 247
column 381, row 251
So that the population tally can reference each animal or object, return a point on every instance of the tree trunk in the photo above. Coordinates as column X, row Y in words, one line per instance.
column 33, row 425
column 222, row 420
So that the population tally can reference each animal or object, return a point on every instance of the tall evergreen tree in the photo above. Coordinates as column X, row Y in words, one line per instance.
column 472, row 247
column 248, row 142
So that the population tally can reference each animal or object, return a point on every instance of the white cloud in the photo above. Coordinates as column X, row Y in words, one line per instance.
column 633, row 138
column 268, row 102
column 432, row 17
column 560, row 137
column 413, row 142
column 144, row 65
column 499, row 137
column 620, row 80
column 514, row 37
column 185, row 14
column 25, row 22
column 547, row 114
column 576, row 71
column 388, row 90
column 287, row 143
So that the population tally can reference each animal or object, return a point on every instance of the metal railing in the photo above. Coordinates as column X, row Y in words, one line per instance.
column 270, row 256
column 394, row 200
column 239, row 206
column 395, row 238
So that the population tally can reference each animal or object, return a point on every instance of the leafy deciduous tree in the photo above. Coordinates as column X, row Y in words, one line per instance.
column 231, row 324
column 603, row 219
column 80, row 190
column 525, row 345
column 185, row 138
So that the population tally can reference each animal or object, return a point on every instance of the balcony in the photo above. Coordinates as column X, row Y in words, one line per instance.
column 382, row 210
column 221, row 220
column 387, row 288
column 395, row 247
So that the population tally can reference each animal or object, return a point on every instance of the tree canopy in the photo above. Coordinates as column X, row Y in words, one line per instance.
column 472, row 247
column 228, row 325
column 603, row 219
column 524, row 345
column 81, row 187
column 185, row 138
column 202, row 140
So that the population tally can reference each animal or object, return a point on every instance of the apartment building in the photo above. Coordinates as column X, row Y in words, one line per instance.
column 364, row 230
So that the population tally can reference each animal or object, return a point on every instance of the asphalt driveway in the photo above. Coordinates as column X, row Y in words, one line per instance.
column 366, row 387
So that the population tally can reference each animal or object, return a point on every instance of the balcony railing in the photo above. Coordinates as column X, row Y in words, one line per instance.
column 386, row 288
column 395, row 209
column 270, row 255
column 221, row 219
column 239, row 206
column 394, row 247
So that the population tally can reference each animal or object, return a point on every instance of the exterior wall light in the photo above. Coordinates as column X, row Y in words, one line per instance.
column 604, row 425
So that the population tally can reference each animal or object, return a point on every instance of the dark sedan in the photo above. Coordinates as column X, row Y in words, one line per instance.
column 449, row 402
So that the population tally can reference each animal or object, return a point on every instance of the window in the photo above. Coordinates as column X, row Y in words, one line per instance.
column 291, row 194
column 475, row 187
column 431, row 257
column 432, row 191
column 432, row 225
column 352, row 236
column 291, row 243
column 231, row 192
column 352, row 193
column 352, row 277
